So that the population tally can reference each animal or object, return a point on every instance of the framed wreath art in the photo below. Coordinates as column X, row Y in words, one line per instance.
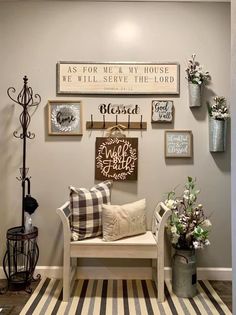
column 116, row 158
column 65, row 118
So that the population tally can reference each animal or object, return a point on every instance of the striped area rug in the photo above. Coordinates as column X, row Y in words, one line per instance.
column 120, row 297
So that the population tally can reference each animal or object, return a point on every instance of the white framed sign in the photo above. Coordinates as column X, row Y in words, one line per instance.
column 117, row 78
column 178, row 144
column 162, row 111
column 65, row 118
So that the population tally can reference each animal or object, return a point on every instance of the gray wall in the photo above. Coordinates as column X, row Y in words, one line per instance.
column 34, row 36
column 233, row 179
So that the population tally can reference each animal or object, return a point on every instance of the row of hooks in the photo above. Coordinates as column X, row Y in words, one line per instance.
column 107, row 124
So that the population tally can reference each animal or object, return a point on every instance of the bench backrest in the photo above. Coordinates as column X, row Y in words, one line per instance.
column 160, row 217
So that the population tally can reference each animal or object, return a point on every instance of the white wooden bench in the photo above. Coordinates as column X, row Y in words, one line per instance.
column 149, row 245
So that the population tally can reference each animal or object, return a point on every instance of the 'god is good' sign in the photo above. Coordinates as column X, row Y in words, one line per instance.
column 117, row 78
column 116, row 158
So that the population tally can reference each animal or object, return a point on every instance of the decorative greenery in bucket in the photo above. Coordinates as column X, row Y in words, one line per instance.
column 195, row 73
column 188, row 226
column 218, row 110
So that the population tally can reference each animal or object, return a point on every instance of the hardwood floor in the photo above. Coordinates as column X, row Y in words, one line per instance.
column 12, row 302
column 224, row 290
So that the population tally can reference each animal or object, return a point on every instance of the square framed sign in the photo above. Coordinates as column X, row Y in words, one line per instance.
column 178, row 144
column 116, row 158
column 65, row 118
column 162, row 111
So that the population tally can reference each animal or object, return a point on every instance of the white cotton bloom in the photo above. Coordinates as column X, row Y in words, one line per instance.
column 170, row 203
column 186, row 197
column 192, row 197
column 206, row 224
column 207, row 242
column 174, row 238
column 196, row 244
column 173, row 229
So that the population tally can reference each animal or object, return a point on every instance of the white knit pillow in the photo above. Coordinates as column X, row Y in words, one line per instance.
column 120, row 221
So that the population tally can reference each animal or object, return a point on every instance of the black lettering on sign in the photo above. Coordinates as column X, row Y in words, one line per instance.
column 62, row 118
column 118, row 109
column 116, row 158
column 162, row 111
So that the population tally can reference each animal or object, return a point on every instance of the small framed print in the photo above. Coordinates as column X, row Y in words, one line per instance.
column 162, row 111
column 65, row 118
column 178, row 144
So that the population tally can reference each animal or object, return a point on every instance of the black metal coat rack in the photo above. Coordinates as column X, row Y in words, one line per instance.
column 25, row 99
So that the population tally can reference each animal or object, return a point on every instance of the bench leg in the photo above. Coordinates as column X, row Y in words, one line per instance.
column 66, row 278
column 160, row 279
column 154, row 270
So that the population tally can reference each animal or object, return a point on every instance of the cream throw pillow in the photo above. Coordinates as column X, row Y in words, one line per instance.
column 119, row 221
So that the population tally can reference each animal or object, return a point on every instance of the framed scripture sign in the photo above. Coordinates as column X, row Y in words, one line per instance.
column 117, row 78
column 178, row 144
column 65, row 118
column 162, row 111
column 116, row 158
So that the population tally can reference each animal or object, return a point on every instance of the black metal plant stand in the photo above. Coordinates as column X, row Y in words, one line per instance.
column 22, row 250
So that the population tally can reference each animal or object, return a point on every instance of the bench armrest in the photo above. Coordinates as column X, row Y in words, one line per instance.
column 64, row 213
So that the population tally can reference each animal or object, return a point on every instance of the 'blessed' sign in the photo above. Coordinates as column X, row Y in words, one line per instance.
column 116, row 158
column 119, row 109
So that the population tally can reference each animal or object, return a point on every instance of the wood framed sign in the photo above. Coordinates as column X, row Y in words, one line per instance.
column 162, row 111
column 117, row 78
column 116, row 158
column 178, row 144
column 65, row 118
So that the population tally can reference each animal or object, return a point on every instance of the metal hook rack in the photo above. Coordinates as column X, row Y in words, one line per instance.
column 22, row 252
column 138, row 125
column 26, row 99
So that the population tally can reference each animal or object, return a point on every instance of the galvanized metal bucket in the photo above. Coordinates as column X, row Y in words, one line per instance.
column 184, row 273
column 195, row 94
column 217, row 135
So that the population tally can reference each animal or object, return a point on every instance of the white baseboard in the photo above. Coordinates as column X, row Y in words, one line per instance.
column 223, row 274
column 127, row 273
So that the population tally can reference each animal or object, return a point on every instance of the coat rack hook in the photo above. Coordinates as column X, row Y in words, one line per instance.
column 91, row 122
column 141, row 122
column 128, row 121
column 104, row 121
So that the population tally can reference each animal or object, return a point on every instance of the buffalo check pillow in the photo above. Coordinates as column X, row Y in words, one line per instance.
column 86, row 210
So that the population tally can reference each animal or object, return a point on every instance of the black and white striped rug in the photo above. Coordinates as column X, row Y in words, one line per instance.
column 120, row 297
